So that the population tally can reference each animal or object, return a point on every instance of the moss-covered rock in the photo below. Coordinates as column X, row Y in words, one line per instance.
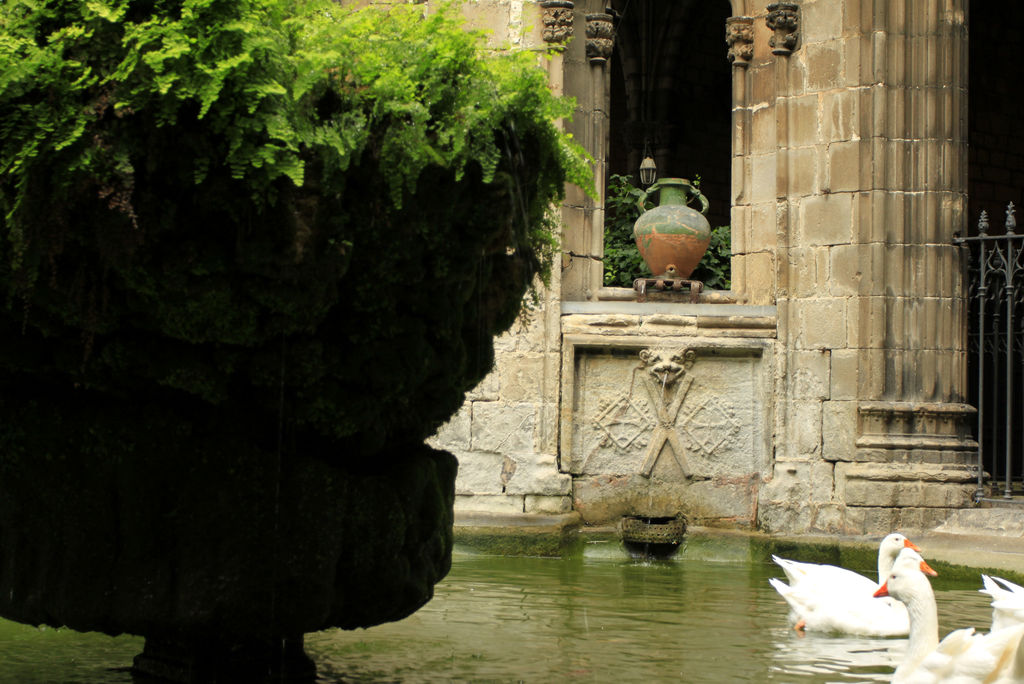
column 164, row 526
column 254, row 252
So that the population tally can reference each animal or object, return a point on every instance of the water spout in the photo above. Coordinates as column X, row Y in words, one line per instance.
column 653, row 537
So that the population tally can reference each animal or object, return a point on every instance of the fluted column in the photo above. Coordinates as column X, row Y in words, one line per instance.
column 870, row 152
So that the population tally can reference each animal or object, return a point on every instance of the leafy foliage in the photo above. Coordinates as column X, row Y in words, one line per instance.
column 244, row 200
column 715, row 268
column 622, row 260
column 277, row 82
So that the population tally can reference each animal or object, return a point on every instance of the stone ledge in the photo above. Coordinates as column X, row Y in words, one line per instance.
column 917, row 486
column 628, row 294
column 517, row 534
column 927, row 442
column 574, row 342
column 897, row 473
column 904, row 456
column 531, row 522
column 967, row 552
column 744, row 322
column 683, row 309
column 1004, row 523
column 669, row 325
column 937, row 408
column 914, row 425
column 981, row 551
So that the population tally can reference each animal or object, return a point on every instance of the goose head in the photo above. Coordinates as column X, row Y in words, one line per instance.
column 907, row 580
column 889, row 549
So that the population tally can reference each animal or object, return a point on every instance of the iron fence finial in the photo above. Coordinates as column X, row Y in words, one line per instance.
column 983, row 223
column 1011, row 222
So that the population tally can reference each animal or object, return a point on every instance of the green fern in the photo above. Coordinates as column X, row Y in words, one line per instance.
column 280, row 82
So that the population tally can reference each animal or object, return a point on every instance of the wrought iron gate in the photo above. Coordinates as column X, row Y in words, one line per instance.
column 995, row 281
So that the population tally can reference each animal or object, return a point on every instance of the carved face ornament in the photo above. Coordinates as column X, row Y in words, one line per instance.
column 667, row 366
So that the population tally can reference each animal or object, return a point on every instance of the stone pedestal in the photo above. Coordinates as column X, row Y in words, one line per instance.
column 208, row 545
column 211, row 662
column 666, row 412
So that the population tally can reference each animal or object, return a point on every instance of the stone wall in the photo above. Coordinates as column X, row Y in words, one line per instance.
column 505, row 437
column 849, row 180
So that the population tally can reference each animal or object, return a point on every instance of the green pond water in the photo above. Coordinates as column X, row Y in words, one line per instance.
column 596, row 615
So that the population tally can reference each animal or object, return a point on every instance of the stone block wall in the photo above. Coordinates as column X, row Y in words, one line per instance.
column 849, row 179
column 505, row 436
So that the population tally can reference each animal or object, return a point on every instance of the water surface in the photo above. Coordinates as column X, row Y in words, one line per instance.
column 707, row 616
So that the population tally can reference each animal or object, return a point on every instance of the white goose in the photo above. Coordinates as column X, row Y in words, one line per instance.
column 827, row 598
column 963, row 656
column 1007, row 601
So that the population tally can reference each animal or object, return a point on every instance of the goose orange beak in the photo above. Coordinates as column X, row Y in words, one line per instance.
column 911, row 545
column 881, row 591
column 927, row 569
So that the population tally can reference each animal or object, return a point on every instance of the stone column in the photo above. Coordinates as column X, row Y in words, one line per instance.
column 586, row 76
column 755, row 155
column 870, row 175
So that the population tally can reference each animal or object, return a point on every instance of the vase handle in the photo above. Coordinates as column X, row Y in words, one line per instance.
column 691, row 192
column 694, row 193
column 641, row 198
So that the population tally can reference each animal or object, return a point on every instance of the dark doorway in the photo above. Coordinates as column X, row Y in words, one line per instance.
column 671, row 91
column 994, row 108
column 995, row 277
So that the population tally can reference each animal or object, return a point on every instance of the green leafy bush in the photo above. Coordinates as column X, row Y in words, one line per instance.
column 714, row 270
column 250, row 203
column 622, row 261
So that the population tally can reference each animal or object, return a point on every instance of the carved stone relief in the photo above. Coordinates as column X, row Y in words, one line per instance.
column 667, row 384
column 739, row 36
column 649, row 414
column 624, row 423
column 709, row 424
column 557, row 20
column 782, row 19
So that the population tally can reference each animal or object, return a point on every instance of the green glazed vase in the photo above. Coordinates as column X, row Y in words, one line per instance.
column 672, row 237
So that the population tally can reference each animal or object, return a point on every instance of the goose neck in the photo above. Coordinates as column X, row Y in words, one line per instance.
column 924, row 633
column 886, row 560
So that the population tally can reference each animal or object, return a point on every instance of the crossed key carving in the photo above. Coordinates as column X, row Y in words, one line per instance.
column 667, row 384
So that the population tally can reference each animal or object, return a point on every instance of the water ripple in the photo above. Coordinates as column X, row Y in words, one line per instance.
column 599, row 618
